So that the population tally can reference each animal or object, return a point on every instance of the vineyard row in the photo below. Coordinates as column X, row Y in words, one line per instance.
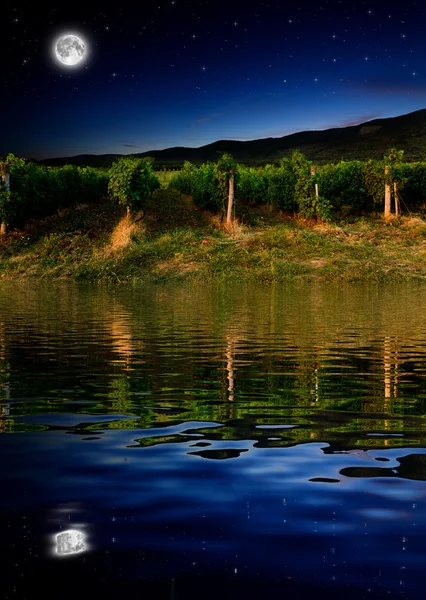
column 294, row 185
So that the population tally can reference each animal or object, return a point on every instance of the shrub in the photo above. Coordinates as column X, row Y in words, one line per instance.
column 182, row 181
column 344, row 185
column 132, row 181
column 281, row 182
column 38, row 191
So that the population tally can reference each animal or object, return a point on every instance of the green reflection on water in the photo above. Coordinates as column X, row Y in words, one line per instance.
column 337, row 362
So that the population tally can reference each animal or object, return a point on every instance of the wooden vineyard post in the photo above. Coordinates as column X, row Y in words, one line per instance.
column 387, row 196
column 395, row 193
column 313, row 171
column 5, row 175
column 230, row 198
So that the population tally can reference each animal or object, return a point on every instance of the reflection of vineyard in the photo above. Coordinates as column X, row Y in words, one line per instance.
column 4, row 383
column 339, row 365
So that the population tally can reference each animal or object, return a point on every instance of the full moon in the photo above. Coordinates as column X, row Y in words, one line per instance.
column 70, row 49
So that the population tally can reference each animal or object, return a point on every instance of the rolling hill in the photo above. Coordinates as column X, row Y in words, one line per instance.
column 367, row 140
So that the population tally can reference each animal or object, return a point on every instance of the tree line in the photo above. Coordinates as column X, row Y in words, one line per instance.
column 294, row 185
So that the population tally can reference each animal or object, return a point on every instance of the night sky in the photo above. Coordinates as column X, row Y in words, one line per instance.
column 180, row 73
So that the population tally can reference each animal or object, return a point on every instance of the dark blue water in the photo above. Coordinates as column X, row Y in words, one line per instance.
column 213, row 441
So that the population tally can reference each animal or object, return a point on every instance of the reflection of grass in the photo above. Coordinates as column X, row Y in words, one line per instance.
column 116, row 424
column 389, row 442
column 177, row 241
column 164, row 439
column 12, row 426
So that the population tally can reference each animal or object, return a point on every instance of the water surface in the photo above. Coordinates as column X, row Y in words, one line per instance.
column 210, row 440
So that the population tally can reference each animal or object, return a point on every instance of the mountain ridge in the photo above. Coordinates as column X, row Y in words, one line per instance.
column 370, row 139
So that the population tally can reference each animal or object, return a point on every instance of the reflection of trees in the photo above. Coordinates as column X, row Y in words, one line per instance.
column 129, row 350
column 230, row 349
column 391, row 364
column 4, row 381
column 390, row 358
column 289, row 354
column 120, row 322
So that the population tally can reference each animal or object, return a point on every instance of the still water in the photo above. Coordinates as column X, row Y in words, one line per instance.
column 213, row 441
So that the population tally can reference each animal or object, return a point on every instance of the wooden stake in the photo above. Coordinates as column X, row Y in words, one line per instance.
column 5, row 175
column 387, row 196
column 395, row 192
column 313, row 171
column 230, row 198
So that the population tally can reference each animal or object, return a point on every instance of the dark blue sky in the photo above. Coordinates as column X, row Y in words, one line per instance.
column 162, row 74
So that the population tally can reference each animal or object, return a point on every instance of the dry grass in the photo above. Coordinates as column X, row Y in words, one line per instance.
column 413, row 223
column 234, row 228
column 122, row 234
column 218, row 223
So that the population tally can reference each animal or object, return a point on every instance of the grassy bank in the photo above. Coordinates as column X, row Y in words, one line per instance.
column 99, row 243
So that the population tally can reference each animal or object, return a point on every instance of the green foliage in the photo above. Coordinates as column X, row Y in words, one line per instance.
column 94, row 184
column 37, row 191
column 69, row 186
column 182, row 181
column 393, row 157
column 374, row 182
column 224, row 166
column 208, row 184
column 304, row 189
column 6, row 206
column 15, row 162
column 281, row 182
column 204, row 187
column 11, row 201
column 344, row 186
column 415, row 187
column 132, row 181
column 350, row 187
column 309, row 205
column 252, row 186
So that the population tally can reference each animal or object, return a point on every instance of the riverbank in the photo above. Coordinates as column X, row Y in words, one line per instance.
column 98, row 243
